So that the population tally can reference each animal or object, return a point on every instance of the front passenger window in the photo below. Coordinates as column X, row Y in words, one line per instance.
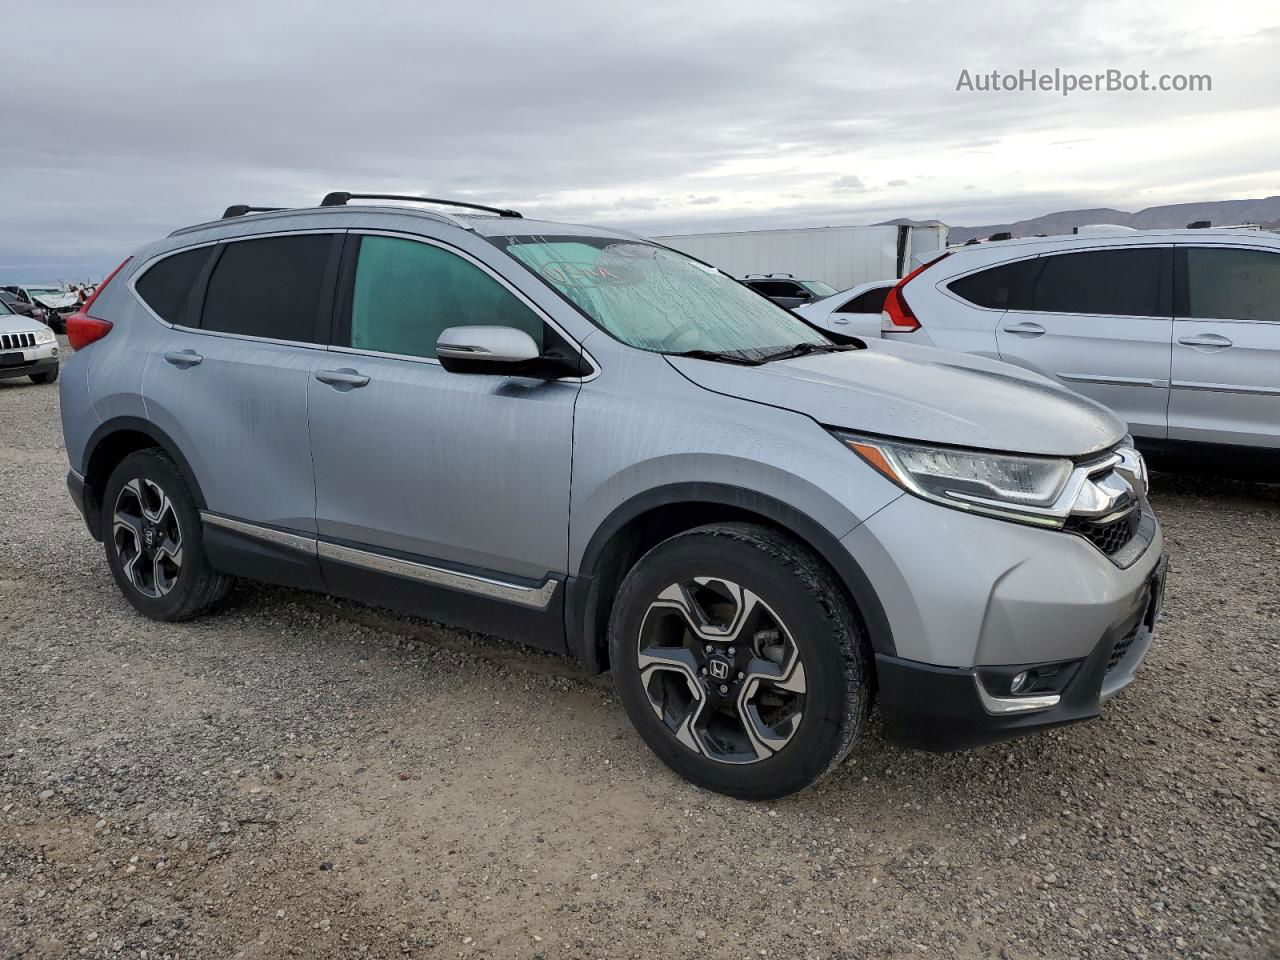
column 1231, row 284
column 406, row 293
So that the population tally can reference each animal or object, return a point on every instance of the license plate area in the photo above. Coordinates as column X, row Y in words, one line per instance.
column 12, row 359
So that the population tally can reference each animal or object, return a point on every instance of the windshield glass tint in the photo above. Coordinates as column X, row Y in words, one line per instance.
column 45, row 291
column 659, row 300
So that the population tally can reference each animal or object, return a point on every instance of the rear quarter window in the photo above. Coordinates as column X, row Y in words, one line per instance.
column 167, row 284
column 1003, row 287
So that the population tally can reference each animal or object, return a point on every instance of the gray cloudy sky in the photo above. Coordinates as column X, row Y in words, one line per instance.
column 125, row 120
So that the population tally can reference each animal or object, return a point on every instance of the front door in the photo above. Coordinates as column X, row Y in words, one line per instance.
column 440, row 487
column 1226, row 347
column 1100, row 322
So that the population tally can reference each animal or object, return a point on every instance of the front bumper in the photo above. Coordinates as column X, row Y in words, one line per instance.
column 940, row 709
column 24, row 362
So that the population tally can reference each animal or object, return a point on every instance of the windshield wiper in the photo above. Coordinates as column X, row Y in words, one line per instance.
column 803, row 349
column 718, row 357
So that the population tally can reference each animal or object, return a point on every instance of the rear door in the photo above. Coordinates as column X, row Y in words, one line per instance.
column 1226, row 346
column 248, row 320
column 853, row 313
column 1100, row 321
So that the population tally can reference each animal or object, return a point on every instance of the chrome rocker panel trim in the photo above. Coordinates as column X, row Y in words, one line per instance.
column 535, row 598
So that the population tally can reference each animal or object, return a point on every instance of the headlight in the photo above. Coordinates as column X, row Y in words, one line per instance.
column 1026, row 489
column 45, row 336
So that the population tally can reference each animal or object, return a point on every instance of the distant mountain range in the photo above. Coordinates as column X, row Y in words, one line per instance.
column 1265, row 212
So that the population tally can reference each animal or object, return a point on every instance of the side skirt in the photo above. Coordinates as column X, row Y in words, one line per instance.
column 525, row 612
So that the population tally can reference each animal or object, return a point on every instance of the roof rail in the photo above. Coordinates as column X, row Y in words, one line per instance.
column 240, row 209
column 340, row 198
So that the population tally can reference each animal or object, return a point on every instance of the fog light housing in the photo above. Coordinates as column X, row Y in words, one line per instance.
column 1029, row 679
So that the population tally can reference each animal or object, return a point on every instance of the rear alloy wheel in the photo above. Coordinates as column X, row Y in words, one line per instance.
column 739, row 660
column 147, row 537
column 151, row 532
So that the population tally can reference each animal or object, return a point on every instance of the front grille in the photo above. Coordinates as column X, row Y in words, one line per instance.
column 16, row 341
column 1120, row 649
column 1107, row 537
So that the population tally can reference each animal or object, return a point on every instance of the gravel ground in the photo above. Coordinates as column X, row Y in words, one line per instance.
column 303, row 777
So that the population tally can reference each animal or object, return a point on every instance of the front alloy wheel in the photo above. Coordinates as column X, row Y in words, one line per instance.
column 721, row 670
column 739, row 660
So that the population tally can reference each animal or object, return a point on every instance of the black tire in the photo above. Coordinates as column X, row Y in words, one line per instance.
column 801, row 594
column 197, row 587
column 47, row 377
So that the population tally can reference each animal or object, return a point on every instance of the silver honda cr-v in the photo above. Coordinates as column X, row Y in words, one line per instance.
column 582, row 440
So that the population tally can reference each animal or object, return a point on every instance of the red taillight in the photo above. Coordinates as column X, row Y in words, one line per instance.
column 83, row 329
column 898, row 316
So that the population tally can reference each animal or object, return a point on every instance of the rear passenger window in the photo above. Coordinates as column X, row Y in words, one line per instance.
column 268, row 288
column 869, row 301
column 1005, row 287
column 164, row 288
column 1115, row 282
column 1228, row 284
column 406, row 293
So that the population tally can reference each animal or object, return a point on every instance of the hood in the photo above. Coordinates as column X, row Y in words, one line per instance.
column 56, row 301
column 17, row 323
column 920, row 393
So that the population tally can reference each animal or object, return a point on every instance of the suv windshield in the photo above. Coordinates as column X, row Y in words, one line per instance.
column 659, row 300
column 818, row 288
column 45, row 291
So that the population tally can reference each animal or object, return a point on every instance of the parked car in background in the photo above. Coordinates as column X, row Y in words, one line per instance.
column 28, row 348
column 57, row 303
column 786, row 291
column 1178, row 331
column 18, row 305
column 843, row 256
column 855, row 312
column 484, row 420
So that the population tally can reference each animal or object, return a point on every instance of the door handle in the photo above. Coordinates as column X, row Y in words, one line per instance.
column 1025, row 329
column 183, row 359
column 343, row 379
column 840, row 320
column 1205, row 340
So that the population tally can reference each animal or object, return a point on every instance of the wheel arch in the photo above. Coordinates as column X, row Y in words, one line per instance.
column 110, row 443
column 651, row 517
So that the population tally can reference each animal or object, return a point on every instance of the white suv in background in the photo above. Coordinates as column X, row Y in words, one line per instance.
column 1178, row 331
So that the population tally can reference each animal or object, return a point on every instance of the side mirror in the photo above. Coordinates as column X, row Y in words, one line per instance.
column 484, row 349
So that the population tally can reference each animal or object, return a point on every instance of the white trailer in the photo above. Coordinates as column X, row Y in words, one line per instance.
column 841, row 256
